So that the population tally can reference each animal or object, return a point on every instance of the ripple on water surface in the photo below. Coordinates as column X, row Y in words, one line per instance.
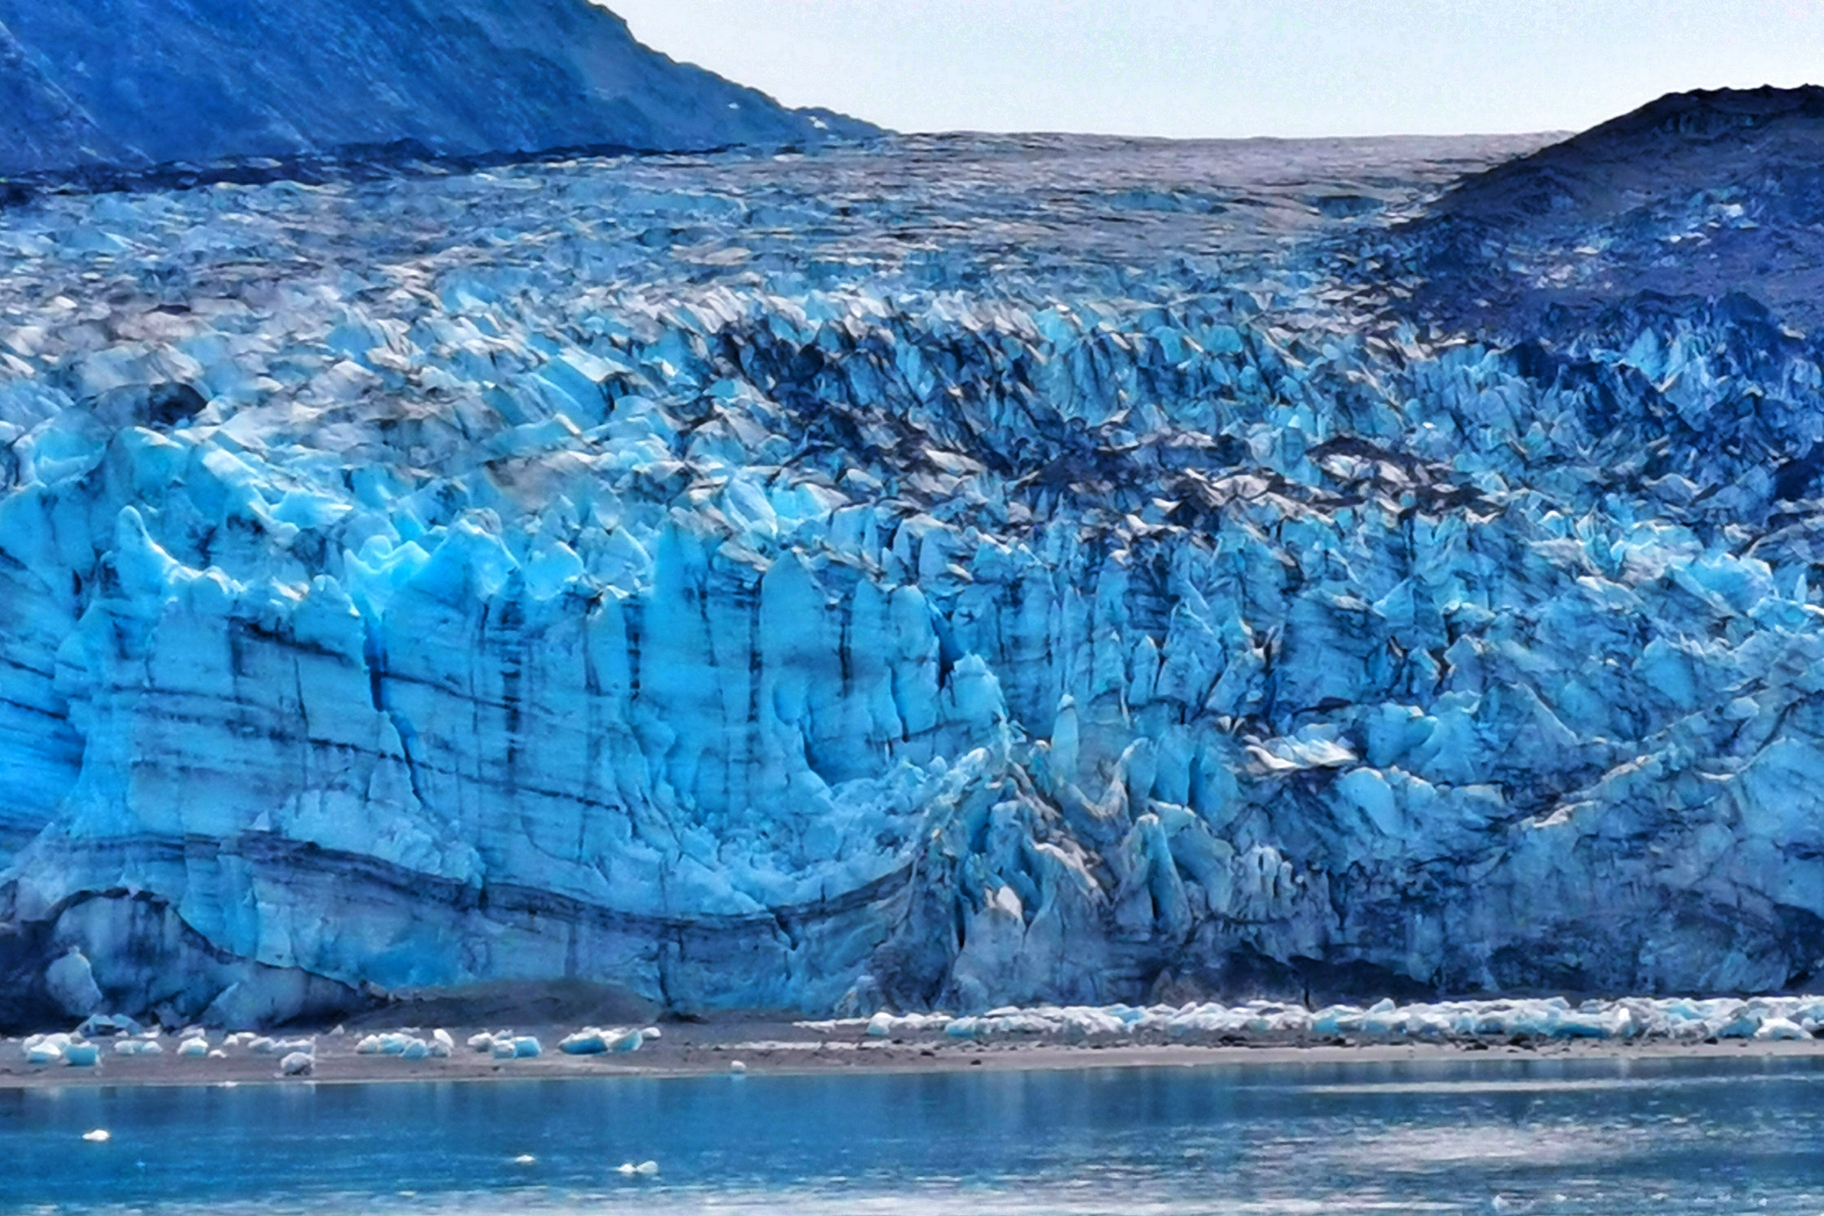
column 1604, row 1136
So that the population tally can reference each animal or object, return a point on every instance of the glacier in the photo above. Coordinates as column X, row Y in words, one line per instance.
column 101, row 88
column 951, row 573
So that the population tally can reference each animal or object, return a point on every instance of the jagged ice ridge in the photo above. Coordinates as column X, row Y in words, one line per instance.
column 882, row 579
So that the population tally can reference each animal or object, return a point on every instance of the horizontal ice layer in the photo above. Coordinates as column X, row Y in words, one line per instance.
column 681, row 578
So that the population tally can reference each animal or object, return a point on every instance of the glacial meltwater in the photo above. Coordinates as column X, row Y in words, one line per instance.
column 1496, row 1135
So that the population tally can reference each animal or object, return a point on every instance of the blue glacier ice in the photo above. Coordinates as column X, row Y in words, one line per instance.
column 111, row 85
column 954, row 573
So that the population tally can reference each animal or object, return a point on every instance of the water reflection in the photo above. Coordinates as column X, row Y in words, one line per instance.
column 1484, row 1136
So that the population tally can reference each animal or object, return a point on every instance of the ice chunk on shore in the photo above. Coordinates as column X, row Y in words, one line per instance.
column 45, row 1048
column 586, row 1042
column 1466, row 1020
column 1780, row 1029
column 138, row 1047
column 593, row 1040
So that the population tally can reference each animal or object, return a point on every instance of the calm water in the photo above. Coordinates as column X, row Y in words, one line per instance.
column 1487, row 1136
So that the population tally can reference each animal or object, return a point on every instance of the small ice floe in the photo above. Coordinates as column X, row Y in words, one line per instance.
column 483, row 1043
column 218, row 1054
column 644, row 1169
column 99, row 1135
column 298, row 1064
column 416, row 1049
column 137, row 1047
column 82, row 1055
column 525, row 1159
column 442, row 1045
column 193, row 1049
column 651, row 1034
column 525, row 1047
column 737, row 1068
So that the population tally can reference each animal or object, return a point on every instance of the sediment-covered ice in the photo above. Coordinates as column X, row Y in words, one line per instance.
column 938, row 577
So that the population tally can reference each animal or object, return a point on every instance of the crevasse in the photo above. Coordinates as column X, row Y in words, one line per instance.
column 878, row 636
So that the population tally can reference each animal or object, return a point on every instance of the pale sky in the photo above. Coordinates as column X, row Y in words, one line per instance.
column 1232, row 68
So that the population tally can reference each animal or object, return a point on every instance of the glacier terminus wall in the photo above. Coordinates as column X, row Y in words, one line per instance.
column 940, row 575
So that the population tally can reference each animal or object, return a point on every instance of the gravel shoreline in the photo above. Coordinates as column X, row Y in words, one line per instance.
column 784, row 1048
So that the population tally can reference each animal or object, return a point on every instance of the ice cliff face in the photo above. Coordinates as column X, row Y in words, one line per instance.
column 128, row 83
column 954, row 574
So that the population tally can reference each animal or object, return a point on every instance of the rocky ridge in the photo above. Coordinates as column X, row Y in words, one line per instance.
column 122, row 86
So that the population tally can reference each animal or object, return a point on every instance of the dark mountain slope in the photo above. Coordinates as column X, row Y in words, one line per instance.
column 136, row 82
column 1699, row 194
